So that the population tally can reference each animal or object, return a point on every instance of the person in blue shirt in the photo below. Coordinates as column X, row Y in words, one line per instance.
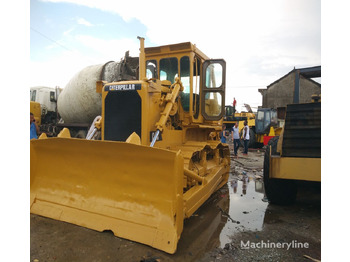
column 34, row 129
column 223, row 134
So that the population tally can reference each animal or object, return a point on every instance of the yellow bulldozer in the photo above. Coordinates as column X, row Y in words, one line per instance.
column 159, row 157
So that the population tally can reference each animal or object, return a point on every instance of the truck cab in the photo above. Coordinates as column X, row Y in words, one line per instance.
column 47, row 98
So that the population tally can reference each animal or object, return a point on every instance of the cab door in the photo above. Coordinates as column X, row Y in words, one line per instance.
column 213, row 89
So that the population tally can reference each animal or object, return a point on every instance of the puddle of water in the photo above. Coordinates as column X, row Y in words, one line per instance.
column 211, row 225
column 246, row 207
column 202, row 230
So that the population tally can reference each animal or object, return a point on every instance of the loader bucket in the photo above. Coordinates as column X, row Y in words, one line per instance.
column 133, row 190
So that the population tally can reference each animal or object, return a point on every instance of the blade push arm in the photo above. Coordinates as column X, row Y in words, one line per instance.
column 96, row 125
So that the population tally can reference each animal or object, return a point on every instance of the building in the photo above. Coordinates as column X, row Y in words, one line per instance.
column 295, row 87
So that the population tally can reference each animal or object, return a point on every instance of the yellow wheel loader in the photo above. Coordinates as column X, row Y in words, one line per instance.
column 159, row 158
column 294, row 157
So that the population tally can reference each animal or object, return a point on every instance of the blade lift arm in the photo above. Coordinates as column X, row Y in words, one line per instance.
column 169, row 98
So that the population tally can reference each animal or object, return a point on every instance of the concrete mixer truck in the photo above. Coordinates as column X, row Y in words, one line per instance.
column 76, row 106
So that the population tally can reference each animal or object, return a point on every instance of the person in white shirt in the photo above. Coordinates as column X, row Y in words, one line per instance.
column 235, row 136
column 246, row 137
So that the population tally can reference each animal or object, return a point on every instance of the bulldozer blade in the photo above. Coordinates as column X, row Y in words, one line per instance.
column 135, row 191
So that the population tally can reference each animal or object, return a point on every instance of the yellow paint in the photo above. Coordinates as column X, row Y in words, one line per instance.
column 43, row 136
column 133, row 190
column 35, row 108
column 134, row 139
column 272, row 131
column 64, row 133
column 297, row 168
column 139, row 192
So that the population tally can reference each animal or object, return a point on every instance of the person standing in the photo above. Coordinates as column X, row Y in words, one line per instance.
column 34, row 129
column 223, row 134
column 246, row 137
column 235, row 136
column 234, row 105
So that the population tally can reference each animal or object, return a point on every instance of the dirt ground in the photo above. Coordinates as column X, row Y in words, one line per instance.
column 235, row 224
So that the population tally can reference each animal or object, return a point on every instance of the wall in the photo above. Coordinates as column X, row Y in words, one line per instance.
column 281, row 93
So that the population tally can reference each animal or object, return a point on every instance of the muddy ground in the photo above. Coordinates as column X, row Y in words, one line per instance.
column 235, row 224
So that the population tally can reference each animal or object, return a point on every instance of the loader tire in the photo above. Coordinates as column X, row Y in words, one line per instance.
column 278, row 191
column 251, row 138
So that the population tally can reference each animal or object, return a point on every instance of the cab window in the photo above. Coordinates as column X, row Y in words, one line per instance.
column 185, row 74
column 260, row 115
column 196, row 82
column 214, row 76
column 213, row 104
column 267, row 120
column 151, row 69
column 32, row 95
column 213, row 89
column 185, row 79
column 168, row 69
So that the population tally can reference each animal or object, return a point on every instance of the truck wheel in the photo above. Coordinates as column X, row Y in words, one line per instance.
column 251, row 138
column 278, row 191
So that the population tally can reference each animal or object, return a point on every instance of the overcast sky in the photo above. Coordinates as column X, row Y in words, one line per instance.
column 260, row 40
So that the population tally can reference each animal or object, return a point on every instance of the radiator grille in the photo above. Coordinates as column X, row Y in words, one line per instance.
column 122, row 115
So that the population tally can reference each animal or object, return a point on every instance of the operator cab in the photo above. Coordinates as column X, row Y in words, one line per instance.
column 266, row 117
column 229, row 113
column 203, row 79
